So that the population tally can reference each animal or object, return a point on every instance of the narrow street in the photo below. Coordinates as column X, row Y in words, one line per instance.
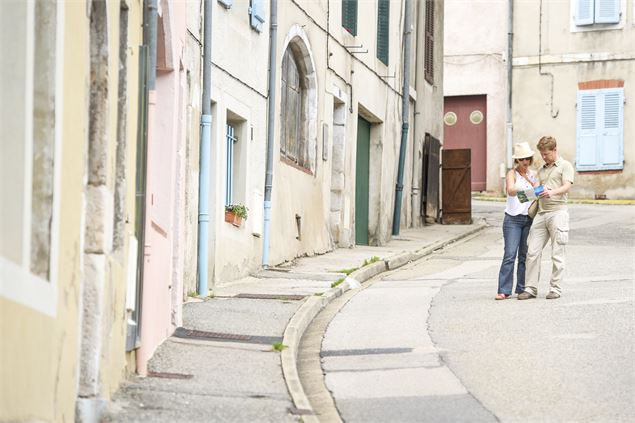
column 429, row 343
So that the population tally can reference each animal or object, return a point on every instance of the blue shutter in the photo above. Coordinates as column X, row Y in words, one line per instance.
column 584, row 12
column 349, row 16
column 586, row 131
column 257, row 13
column 607, row 11
column 383, row 27
column 611, row 131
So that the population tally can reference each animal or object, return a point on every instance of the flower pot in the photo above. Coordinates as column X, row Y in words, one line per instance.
column 237, row 220
column 229, row 216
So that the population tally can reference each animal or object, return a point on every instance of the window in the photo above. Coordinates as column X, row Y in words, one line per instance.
column 257, row 14
column 231, row 139
column 349, row 16
column 428, row 60
column 293, row 140
column 600, row 129
column 590, row 12
column 235, row 159
column 30, row 83
column 383, row 25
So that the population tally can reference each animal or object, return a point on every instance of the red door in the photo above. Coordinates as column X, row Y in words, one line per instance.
column 465, row 127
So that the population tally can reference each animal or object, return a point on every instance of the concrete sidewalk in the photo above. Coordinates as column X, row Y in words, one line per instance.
column 223, row 365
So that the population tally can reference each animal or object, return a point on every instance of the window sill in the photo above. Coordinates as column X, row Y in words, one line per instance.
column 293, row 164
column 599, row 172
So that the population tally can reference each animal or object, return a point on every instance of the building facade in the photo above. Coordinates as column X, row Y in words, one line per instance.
column 574, row 63
column 337, row 122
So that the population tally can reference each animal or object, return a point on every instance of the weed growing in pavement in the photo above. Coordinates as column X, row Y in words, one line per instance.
column 337, row 282
column 371, row 260
column 279, row 346
column 347, row 271
column 318, row 294
column 192, row 294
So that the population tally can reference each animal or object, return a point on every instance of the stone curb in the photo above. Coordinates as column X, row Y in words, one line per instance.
column 571, row 201
column 313, row 305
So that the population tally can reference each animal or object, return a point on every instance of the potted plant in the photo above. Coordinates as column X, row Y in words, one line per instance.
column 235, row 213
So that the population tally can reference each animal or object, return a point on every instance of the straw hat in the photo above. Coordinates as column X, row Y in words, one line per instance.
column 522, row 150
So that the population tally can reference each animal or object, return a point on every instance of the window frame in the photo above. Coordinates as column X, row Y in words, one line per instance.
column 591, row 25
column 17, row 282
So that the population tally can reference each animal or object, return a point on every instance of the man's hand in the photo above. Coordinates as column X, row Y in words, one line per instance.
column 547, row 192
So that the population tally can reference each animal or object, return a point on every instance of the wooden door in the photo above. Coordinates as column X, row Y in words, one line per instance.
column 361, row 181
column 465, row 126
column 456, row 193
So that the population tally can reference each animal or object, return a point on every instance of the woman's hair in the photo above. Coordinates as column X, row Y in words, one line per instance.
column 546, row 143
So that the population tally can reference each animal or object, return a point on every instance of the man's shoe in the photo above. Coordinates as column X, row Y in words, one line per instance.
column 552, row 295
column 525, row 296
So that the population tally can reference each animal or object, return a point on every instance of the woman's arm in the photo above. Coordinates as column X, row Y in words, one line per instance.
column 511, row 183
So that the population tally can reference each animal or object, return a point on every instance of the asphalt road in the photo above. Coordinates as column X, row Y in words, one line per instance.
column 429, row 343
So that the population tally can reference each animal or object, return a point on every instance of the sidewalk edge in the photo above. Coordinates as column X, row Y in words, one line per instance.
column 313, row 305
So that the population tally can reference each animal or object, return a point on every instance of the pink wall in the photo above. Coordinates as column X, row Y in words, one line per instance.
column 161, row 286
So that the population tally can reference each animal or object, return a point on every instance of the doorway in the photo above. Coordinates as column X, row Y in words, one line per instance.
column 465, row 126
column 362, row 181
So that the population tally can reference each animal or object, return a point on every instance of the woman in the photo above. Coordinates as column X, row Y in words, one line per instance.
column 516, row 223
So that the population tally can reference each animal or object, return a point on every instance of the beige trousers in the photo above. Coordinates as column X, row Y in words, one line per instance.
column 547, row 226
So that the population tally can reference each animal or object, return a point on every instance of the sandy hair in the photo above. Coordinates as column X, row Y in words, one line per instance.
column 546, row 143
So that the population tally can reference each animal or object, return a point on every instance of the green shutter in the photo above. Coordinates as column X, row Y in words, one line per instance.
column 383, row 23
column 349, row 16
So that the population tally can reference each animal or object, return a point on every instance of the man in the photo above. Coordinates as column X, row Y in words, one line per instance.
column 552, row 221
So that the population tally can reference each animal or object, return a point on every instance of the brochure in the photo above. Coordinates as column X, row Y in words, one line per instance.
column 530, row 194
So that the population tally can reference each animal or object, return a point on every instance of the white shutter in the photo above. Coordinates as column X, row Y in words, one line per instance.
column 584, row 12
column 257, row 13
column 586, row 131
column 607, row 11
column 611, row 130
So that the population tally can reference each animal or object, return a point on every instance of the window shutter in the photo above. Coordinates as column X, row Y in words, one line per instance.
column 428, row 59
column 383, row 24
column 586, row 157
column 607, row 11
column 584, row 12
column 257, row 13
column 611, row 134
column 349, row 16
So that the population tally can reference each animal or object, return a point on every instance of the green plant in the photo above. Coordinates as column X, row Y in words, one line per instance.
column 279, row 346
column 238, row 209
column 192, row 294
column 371, row 260
column 347, row 271
column 337, row 282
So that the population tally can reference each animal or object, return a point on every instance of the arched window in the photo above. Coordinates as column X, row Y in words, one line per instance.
column 293, row 115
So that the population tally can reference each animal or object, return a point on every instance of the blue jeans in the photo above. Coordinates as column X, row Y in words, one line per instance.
column 515, row 232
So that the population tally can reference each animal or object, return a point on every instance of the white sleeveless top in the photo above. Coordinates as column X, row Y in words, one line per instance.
column 515, row 207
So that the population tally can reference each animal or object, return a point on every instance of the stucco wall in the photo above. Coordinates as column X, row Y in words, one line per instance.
column 546, row 103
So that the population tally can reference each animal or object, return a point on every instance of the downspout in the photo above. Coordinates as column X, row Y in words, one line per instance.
column 271, row 116
column 204, row 159
column 405, row 111
column 271, row 111
column 510, row 50
column 416, row 191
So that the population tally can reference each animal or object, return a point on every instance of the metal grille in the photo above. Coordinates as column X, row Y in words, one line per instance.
column 271, row 297
column 229, row 185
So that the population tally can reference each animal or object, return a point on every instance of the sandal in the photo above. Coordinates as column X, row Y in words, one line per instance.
column 502, row 296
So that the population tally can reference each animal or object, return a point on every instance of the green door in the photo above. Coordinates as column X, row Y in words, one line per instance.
column 361, row 182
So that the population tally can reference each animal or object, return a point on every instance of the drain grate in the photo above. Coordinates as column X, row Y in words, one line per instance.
column 284, row 297
column 200, row 334
column 168, row 375
column 227, row 337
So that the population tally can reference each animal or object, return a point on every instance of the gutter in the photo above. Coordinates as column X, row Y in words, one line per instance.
column 205, row 156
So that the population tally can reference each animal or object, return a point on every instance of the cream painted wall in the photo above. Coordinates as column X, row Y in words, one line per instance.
column 475, row 64
column 39, row 363
column 571, row 56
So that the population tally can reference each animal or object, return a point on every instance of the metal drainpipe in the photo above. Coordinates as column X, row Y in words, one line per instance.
column 204, row 159
column 510, row 48
column 271, row 109
column 405, row 111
